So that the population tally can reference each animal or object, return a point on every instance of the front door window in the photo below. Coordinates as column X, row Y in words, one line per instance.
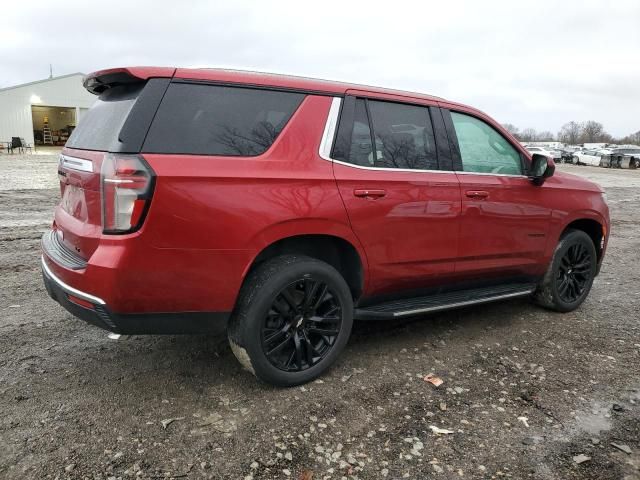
column 483, row 149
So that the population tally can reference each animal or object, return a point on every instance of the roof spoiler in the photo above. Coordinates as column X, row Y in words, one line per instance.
column 98, row 82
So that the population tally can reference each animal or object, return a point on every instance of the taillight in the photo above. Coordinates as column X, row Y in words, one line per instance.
column 127, row 186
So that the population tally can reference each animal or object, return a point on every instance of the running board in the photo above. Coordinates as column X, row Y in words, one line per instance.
column 442, row 301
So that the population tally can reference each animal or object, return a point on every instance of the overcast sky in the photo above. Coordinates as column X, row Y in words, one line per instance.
column 533, row 63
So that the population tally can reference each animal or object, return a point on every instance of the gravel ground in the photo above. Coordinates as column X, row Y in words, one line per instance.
column 527, row 393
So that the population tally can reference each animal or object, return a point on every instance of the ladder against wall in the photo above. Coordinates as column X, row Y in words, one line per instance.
column 46, row 132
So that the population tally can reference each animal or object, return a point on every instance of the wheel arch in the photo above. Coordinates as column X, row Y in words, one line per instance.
column 335, row 250
column 592, row 227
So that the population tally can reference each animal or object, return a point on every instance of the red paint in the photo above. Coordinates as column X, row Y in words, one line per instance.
column 211, row 216
column 142, row 73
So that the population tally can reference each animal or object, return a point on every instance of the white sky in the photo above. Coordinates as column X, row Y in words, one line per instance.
column 534, row 63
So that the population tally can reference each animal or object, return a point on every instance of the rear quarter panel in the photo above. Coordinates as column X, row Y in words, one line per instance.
column 212, row 215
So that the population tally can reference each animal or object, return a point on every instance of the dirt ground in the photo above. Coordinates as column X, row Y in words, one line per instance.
column 526, row 392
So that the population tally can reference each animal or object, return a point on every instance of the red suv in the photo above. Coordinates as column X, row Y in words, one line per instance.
column 283, row 208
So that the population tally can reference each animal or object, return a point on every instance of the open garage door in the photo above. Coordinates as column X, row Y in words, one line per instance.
column 52, row 125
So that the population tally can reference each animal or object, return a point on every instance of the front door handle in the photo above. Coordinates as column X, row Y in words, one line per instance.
column 367, row 193
column 477, row 194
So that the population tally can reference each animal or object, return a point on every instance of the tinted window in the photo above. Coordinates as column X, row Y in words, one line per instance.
column 483, row 149
column 355, row 147
column 101, row 125
column 218, row 120
column 403, row 136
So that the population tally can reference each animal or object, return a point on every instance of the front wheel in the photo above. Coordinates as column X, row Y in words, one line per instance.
column 570, row 275
column 293, row 319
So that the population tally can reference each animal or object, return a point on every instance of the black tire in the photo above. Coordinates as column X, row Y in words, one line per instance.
column 292, row 320
column 570, row 275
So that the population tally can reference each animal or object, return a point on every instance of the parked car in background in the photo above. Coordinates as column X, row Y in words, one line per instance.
column 283, row 208
column 567, row 153
column 627, row 156
column 555, row 154
column 587, row 157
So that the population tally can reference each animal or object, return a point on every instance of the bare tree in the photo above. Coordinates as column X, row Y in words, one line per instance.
column 512, row 129
column 592, row 132
column 633, row 139
column 545, row 136
column 606, row 138
column 529, row 135
column 570, row 133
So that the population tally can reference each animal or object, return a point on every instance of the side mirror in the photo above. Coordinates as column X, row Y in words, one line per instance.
column 542, row 167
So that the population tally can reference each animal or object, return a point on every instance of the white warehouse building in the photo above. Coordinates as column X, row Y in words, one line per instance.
column 43, row 112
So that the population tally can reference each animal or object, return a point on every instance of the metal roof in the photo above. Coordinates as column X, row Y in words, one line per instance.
column 41, row 81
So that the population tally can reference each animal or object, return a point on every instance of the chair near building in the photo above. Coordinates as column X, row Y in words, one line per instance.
column 13, row 144
column 18, row 143
column 26, row 146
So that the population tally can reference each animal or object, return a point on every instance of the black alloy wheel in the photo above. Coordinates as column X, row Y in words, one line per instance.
column 574, row 273
column 570, row 274
column 292, row 320
column 302, row 325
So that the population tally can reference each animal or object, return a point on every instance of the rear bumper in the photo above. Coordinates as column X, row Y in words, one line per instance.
column 95, row 311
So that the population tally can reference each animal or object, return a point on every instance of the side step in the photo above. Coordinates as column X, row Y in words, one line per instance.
column 442, row 301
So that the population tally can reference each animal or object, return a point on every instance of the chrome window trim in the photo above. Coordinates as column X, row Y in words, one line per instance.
column 328, row 136
column 385, row 169
column 76, row 163
column 326, row 144
column 69, row 289
column 493, row 174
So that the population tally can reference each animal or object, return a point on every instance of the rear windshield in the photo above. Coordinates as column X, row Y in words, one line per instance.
column 101, row 125
column 219, row 120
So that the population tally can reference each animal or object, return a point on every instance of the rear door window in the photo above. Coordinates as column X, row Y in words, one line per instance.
column 219, row 120
column 403, row 137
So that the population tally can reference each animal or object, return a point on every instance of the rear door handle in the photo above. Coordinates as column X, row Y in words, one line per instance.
column 367, row 193
column 479, row 194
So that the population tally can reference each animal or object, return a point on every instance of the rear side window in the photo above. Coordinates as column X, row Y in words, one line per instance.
column 483, row 149
column 403, row 137
column 219, row 120
column 101, row 125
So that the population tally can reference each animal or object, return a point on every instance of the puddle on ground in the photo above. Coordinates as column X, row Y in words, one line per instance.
column 596, row 420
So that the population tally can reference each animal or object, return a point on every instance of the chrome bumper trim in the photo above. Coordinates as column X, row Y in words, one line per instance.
column 68, row 289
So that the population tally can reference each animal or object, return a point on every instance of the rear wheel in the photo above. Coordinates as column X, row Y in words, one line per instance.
column 293, row 319
column 570, row 276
